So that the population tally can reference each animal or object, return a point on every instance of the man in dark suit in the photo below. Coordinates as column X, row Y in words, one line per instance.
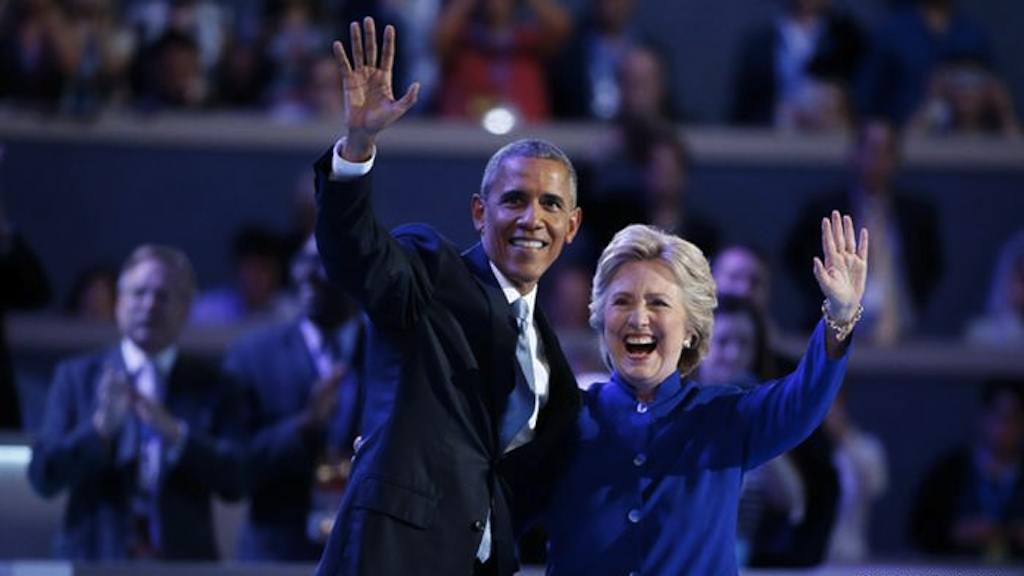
column 302, row 381
column 141, row 435
column 479, row 399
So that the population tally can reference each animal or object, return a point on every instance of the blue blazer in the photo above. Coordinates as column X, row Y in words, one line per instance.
column 100, row 476
column 440, row 368
column 276, row 372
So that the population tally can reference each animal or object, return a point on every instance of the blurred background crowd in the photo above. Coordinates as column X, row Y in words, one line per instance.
column 921, row 457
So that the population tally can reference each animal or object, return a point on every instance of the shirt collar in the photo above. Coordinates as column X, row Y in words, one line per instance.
column 135, row 357
column 510, row 291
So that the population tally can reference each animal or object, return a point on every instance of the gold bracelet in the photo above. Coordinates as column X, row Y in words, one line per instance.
column 841, row 329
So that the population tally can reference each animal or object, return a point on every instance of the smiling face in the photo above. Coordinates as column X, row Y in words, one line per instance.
column 645, row 323
column 526, row 218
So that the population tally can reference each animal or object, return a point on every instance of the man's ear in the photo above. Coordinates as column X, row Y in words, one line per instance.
column 477, row 207
column 575, row 219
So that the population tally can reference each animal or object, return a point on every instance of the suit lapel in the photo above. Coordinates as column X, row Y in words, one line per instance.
column 497, row 384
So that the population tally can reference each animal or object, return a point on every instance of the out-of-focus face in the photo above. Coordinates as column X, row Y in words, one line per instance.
column 527, row 218
column 318, row 300
column 666, row 174
column 732, row 350
column 874, row 158
column 152, row 306
column 614, row 15
column 645, row 322
column 738, row 272
column 1002, row 424
column 641, row 84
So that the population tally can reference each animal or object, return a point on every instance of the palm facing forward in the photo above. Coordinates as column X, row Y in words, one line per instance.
column 842, row 274
column 370, row 104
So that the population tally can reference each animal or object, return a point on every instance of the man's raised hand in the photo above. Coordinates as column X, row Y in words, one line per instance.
column 370, row 104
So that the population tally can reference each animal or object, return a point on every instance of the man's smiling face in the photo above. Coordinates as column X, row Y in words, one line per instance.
column 526, row 218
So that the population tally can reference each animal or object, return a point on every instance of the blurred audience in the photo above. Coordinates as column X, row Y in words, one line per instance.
column 493, row 54
column 1003, row 322
column 965, row 97
column 906, row 252
column 303, row 380
column 141, row 435
column 37, row 53
column 742, row 271
column 906, row 52
column 585, row 76
column 859, row 458
column 643, row 177
column 169, row 75
column 972, row 501
column 795, row 73
column 297, row 40
column 93, row 295
column 24, row 287
column 257, row 291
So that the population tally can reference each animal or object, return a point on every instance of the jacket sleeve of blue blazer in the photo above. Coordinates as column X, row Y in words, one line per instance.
column 68, row 449
column 391, row 276
column 777, row 415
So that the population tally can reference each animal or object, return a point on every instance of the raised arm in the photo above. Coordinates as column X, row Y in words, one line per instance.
column 841, row 277
column 779, row 415
column 370, row 104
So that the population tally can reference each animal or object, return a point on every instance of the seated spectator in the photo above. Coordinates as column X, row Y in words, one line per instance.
column 1003, row 322
column 141, row 435
column 93, row 295
column 645, row 179
column 36, row 54
column 965, row 97
column 859, row 458
column 257, row 291
column 971, row 503
column 493, row 55
column 906, row 249
column 204, row 22
column 644, row 88
column 303, row 380
column 102, row 50
column 741, row 271
column 794, row 73
column 295, row 41
column 169, row 75
column 24, row 287
column 906, row 51
column 584, row 78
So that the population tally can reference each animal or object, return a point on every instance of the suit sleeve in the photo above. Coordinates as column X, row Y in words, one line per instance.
column 213, row 457
column 392, row 280
column 778, row 415
column 275, row 451
column 68, row 451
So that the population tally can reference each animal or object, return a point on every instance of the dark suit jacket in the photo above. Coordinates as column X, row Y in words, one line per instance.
column 441, row 361
column 276, row 373
column 100, row 476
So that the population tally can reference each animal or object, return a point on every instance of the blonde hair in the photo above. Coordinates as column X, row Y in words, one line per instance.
column 639, row 243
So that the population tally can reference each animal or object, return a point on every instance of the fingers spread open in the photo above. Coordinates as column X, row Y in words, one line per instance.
column 371, row 41
column 342, row 59
column 409, row 98
column 837, row 232
column 357, row 45
column 387, row 60
column 862, row 248
column 828, row 244
column 851, row 242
